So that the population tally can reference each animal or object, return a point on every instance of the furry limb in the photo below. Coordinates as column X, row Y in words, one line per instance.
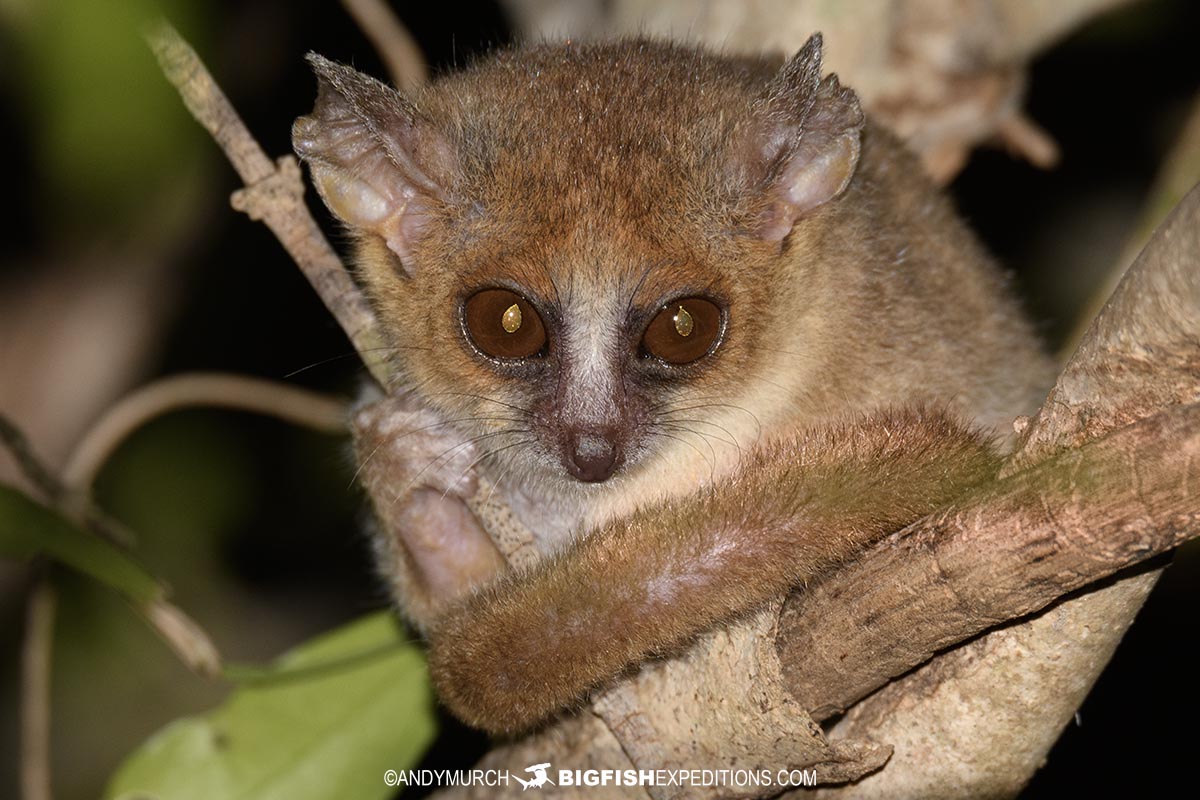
column 1138, row 357
column 536, row 642
column 1047, row 531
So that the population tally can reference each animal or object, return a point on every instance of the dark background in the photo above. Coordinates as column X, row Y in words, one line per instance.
column 252, row 521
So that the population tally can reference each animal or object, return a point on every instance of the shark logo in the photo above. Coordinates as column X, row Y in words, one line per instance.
column 539, row 779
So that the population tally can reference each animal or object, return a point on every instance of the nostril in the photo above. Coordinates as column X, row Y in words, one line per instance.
column 592, row 457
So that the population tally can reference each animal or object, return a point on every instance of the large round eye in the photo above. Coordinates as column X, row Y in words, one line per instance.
column 683, row 331
column 503, row 324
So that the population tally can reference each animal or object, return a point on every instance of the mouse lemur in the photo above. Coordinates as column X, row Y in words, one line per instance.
column 682, row 313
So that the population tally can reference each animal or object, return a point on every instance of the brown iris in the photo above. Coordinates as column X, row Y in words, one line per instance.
column 503, row 324
column 683, row 331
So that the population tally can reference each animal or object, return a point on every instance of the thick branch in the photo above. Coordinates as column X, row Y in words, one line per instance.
column 1048, row 531
column 1141, row 355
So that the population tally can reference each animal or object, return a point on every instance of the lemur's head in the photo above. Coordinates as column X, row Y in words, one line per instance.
column 578, row 252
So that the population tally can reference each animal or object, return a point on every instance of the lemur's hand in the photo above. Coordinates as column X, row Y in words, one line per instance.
column 419, row 471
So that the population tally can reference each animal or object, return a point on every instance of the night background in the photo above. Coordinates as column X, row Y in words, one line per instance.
column 121, row 261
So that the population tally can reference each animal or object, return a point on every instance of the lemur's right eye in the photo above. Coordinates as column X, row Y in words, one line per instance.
column 503, row 324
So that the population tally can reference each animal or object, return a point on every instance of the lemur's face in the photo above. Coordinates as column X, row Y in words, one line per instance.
column 598, row 362
column 580, row 266
column 582, row 359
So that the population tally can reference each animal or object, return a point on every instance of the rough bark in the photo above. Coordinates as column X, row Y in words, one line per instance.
column 1004, row 553
column 981, row 719
column 722, row 705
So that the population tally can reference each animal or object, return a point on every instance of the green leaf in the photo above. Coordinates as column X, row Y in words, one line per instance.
column 337, row 713
column 28, row 529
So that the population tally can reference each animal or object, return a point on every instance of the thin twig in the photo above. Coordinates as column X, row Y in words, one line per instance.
column 222, row 390
column 74, row 505
column 69, row 496
column 393, row 42
column 274, row 192
column 43, row 481
column 186, row 638
column 190, row 642
column 35, row 691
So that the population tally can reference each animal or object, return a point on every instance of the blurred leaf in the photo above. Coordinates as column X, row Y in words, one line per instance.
column 28, row 529
column 193, row 505
column 341, row 710
column 110, row 133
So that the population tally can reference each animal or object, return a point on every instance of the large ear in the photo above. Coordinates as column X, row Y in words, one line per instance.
column 805, row 140
column 377, row 165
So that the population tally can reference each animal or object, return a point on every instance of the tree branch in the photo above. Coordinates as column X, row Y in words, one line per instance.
column 274, row 192
column 213, row 390
column 1026, row 542
column 1141, row 352
column 48, row 487
column 1004, row 553
column 190, row 642
column 392, row 41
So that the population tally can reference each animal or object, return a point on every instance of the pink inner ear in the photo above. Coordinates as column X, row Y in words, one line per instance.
column 377, row 164
column 376, row 200
column 404, row 229
column 809, row 180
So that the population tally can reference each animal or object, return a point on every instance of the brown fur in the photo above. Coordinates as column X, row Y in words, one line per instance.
column 631, row 168
column 531, row 644
column 605, row 180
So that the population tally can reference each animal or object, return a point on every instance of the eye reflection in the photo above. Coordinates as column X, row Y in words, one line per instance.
column 683, row 331
column 502, row 324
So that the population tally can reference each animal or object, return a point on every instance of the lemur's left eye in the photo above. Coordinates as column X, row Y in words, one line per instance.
column 684, row 331
column 503, row 324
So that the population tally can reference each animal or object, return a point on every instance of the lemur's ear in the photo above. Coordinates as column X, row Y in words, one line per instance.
column 377, row 164
column 803, row 145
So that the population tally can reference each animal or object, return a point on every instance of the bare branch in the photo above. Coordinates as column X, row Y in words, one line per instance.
column 1140, row 355
column 190, row 642
column 44, row 483
column 392, row 41
column 274, row 192
column 74, row 505
column 1004, row 553
column 220, row 390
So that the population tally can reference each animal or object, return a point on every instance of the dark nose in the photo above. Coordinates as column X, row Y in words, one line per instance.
column 591, row 455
